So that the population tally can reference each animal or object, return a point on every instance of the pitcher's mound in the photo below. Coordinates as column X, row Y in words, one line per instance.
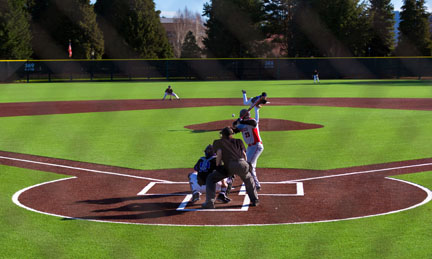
column 264, row 125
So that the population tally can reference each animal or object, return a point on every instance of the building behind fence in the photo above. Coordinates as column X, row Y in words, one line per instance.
column 215, row 69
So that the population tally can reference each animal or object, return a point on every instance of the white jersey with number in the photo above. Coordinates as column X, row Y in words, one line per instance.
column 249, row 129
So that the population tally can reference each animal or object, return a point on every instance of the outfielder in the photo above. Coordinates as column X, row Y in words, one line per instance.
column 257, row 102
column 316, row 76
column 249, row 128
column 202, row 169
column 169, row 91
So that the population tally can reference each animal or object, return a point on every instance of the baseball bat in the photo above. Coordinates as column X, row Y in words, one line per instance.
column 250, row 108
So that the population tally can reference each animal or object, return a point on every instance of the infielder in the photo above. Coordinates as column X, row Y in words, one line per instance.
column 203, row 168
column 249, row 128
column 258, row 101
column 169, row 91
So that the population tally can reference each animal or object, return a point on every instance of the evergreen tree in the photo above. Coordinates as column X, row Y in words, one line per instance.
column 190, row 48
column 320, row 27
column 279, row 23
column 414, row 34
column 15, row 35
column 234, row 28
column 132, row 29
column 340, row 27
column 56, row 22
column 382, row 23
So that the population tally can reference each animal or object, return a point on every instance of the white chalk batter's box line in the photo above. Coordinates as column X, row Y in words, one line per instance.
column 242, row 192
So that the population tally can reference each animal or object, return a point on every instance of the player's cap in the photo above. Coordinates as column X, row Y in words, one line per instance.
column 264, row 94
column 227, row 131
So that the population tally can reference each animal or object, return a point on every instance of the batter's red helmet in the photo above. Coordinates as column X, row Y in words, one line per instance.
column 244, row 113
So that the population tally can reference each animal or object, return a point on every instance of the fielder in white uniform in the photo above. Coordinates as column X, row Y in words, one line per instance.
column 249, row 128
column 260, row 100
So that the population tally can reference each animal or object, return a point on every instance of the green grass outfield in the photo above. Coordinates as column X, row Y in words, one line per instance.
column 351, row 137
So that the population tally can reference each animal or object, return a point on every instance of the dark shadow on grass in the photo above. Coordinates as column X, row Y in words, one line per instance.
column 204, row 131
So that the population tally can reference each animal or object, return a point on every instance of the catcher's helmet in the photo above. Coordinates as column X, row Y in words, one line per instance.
column 209, row 151
column 244, row 113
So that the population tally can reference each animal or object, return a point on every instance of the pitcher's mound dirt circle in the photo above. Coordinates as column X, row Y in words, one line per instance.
column 264, row 125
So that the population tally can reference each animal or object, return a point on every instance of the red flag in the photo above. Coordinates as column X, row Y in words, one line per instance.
column 70, row 49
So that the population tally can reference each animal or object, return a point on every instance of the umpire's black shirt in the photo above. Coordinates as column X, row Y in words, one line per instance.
column 232, row 149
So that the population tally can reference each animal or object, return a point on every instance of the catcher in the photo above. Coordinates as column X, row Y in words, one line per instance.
column 202, row 169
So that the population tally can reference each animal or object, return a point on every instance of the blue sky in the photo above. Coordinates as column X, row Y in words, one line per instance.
column 170, row 7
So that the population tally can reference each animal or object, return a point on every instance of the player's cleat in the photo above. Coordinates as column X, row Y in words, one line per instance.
column 257, row 185
column 254, row 203
column 208, row 205
column 243, row 91
column 230, row 182
column 229, row 188
column 223, row 198
column 195, row 197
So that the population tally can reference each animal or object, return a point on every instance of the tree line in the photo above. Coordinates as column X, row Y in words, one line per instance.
column 42, row 29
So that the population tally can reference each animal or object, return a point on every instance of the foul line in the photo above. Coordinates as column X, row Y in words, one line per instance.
column 84, row 169
column 166, row 181
column 358, row 172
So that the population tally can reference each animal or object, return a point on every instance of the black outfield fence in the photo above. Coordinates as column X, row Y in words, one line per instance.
column 215, row 69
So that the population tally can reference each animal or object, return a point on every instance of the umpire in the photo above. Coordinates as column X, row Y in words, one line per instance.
column 232, row 153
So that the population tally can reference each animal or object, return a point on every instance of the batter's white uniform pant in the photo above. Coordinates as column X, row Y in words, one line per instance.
column 173, row 94
column 316, row 79
column 253, row 153
column 195, row 187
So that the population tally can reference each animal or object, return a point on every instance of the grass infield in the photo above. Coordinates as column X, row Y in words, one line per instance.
column 350, row 137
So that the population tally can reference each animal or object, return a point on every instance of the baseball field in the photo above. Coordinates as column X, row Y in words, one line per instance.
column 99, row 170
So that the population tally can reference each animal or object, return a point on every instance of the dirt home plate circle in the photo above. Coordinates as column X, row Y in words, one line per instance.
column 162, row 197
